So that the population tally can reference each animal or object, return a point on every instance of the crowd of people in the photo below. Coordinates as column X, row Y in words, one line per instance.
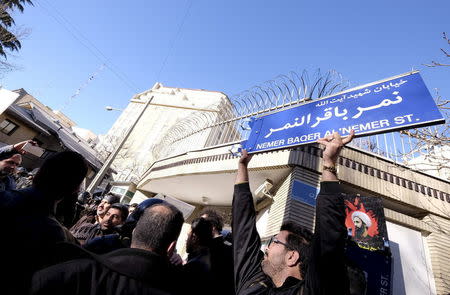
column 58, row 241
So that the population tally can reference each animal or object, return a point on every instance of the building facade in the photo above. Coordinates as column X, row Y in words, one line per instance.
column 169, row 106
column 27, row 118
column 183, row 157
column 416, row 205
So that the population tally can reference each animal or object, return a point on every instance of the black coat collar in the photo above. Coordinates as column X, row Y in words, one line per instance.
column 137, row 263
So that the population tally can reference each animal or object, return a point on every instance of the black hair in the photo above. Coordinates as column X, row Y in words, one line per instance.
column 111, row 198
column 122, row 208
column 214, row 217
column 298, row 239
column 127, row 228
column 157, row 228
column 202, row 229
column 61, row 174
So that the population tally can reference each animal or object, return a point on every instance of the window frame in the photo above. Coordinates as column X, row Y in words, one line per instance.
column 9, row 122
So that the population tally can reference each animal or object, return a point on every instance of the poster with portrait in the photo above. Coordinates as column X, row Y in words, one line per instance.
column 365, row 222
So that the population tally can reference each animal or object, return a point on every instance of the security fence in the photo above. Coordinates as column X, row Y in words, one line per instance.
column 227, row 125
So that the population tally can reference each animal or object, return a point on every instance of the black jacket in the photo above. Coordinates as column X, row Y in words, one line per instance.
column 222, row 265
column 30, row 231
column 209, row 270
column 124, row 271
column 326, row 273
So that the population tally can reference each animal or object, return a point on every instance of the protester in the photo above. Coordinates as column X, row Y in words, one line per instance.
column 142, row 269
column 132, row 208
column 83, row 209
column 115, row 216
column 29, row 214
column 121, row 239
column 10, row 159
column 197, row 272
column 221, row 253
column 105, row 204
column 295, row 261
column 82, row 229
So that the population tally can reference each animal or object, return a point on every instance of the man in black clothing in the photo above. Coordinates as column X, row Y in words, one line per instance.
column 114, row 217
column 31, row 228
column 82, row 230
column 295, row 261
column 221, row 253
column 142, row 269
column 197, row 273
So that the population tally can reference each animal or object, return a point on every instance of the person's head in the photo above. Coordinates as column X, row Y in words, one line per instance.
column 116, row 215
column 132, row 208
column 216, row 220
column 84, row 197
column 129, row 225
column 287, row 252
column 61, row 175
column 357, row 222
column 200, row 235
column 9, row 162
column 158, row 229
column 362, row 222
column 361, row 219
column 106, row 203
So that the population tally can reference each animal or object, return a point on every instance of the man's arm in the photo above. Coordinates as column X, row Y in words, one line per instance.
column 18, row 147
column 246, row 241
column 327, row 271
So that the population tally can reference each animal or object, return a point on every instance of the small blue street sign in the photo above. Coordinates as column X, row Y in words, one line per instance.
column 396, row 103
column 304, row 193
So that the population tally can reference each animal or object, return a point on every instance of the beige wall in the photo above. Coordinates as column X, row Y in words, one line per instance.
column 137, row 153
column 22, row 133
column 438, row 245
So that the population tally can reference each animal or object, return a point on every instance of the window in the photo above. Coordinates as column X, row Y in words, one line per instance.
column 8, row 127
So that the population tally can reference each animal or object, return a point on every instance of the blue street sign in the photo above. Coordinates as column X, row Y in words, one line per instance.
column 396, row 103
column 304, row 193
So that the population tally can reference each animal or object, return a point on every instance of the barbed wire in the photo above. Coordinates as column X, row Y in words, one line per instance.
column 280, row 92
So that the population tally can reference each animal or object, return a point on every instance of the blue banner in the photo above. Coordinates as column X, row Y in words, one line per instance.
column 397, row 103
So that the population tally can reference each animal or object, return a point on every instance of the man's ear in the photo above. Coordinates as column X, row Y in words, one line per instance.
column 293, row 258
column 171, row 248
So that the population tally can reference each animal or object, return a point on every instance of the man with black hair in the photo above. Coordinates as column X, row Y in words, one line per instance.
column 295, row 261
column 142, row 269
column 83, row 228
column 221, row 252
column 105, row 204
column 115, row 216
column 122, row 237
column 197, row 274
column 32, row 229
column 216, row 220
